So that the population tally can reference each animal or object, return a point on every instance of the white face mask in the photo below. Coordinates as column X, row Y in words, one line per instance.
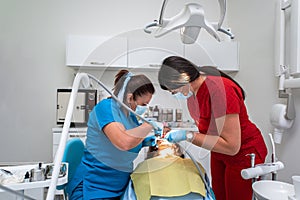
column 141, row 109
column 179, row 95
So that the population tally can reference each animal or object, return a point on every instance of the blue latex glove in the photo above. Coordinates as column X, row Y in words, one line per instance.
column 157, row 131
column 149, row 141
column 176, row 136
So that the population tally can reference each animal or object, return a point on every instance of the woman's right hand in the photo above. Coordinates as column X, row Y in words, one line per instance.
column 157, row 130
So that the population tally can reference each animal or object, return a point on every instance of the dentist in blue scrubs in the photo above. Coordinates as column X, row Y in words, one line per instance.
column 114, row 139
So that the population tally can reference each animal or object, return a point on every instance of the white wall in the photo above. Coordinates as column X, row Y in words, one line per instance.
column 254, row 24
column 32, row 60
column 32, row 46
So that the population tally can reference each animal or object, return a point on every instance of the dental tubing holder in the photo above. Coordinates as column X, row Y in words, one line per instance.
column 261, row 170
column 282, row 116
column 290, row 109
column 85, row 80
column 279, row 120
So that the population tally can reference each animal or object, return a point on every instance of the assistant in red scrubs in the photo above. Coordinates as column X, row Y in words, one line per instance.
column 216, row 103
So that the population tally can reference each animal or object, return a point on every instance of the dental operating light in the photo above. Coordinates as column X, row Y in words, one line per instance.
column 189, row 20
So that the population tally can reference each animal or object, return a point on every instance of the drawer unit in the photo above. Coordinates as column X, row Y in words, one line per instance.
column 79, row 132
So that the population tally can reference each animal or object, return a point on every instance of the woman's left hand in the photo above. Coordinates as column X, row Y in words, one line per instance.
column 175, row 136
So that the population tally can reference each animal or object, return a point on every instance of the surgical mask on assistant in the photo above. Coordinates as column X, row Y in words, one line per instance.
column 180, row 95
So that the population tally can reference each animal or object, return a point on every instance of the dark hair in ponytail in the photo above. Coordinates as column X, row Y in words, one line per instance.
column 176, row 72
column 138, row 85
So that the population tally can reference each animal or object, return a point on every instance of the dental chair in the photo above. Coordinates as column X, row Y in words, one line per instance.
column 72, row 155
column 166, row 174
column 167, row 178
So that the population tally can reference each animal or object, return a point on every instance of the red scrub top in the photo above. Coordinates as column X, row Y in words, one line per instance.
column 216, row 97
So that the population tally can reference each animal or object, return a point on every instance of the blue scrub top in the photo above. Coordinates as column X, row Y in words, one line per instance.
column 105, row 170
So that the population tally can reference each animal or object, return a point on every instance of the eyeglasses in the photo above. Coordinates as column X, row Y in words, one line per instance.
column 180, row 89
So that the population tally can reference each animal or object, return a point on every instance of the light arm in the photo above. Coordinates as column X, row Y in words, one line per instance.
column 222, row 4
column 190, row 20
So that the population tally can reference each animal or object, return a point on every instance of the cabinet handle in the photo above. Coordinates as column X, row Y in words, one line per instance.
column 97, row 63
column 78, row 136
column 154, row 65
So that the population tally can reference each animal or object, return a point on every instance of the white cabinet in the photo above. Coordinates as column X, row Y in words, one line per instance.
column 224, row 55
column 145, row 51
column 149, row 52
column 96, row 51
column 79, row 132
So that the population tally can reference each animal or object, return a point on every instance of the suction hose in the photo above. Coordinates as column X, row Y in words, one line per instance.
column 202, row 176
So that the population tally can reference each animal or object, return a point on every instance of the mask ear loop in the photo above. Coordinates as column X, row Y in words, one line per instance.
column 122, row 91
column 183, row 90
column 190, row 89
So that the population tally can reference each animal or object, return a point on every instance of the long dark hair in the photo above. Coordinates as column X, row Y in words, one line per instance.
column 138, row 85
column 176, row 72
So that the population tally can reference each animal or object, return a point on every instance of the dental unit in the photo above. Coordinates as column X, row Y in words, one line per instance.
column 261, row 170
column 190, row 21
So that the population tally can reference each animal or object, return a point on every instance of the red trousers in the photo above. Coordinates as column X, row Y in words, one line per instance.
column 227, row 182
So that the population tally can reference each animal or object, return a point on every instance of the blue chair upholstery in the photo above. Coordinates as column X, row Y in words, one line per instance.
column 72, row 155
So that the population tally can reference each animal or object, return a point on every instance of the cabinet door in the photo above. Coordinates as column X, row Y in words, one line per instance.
column 96, row 51
column 223, row 55
column 149, row 52
column 73, row 133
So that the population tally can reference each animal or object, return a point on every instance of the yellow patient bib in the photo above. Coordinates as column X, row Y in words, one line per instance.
column 167, row 177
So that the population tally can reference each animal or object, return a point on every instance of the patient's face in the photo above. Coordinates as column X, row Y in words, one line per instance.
column 164, row 149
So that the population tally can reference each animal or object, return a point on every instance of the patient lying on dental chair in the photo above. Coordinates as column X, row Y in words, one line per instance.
column 166, row 174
